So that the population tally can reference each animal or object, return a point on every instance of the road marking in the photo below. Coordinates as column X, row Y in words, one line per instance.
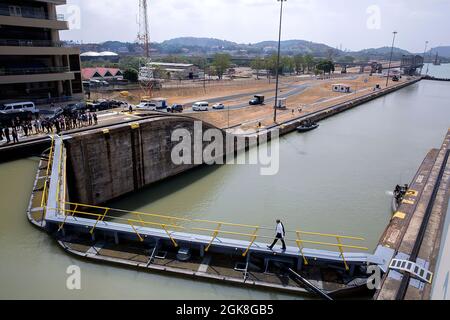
column 399, row 215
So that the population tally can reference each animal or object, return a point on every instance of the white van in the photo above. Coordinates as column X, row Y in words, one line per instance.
column 146, row 106
column 19, row 106
column 200, row 106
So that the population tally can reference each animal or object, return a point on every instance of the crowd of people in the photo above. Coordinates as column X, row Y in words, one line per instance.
column 15, row 128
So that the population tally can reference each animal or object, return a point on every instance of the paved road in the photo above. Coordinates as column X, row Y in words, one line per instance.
column 289, row 91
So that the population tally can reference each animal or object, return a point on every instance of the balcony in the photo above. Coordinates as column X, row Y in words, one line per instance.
column 27, row 71
column 29, row 75
column 30, row 12
column 18, row 47
column 31, row 17
column 30, row 43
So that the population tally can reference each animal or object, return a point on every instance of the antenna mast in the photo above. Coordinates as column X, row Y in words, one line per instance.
column 146, row 78
column 144, row 32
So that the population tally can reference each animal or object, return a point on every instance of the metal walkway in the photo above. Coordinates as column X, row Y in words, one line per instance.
column 305, row 247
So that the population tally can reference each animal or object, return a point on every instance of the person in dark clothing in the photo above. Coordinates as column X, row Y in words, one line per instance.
column 94, row 116
column 58, row 128
column 6, row 131
column 280, row 235
column 15, row 135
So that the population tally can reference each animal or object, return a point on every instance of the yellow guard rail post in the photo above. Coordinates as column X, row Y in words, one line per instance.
column 339, row 243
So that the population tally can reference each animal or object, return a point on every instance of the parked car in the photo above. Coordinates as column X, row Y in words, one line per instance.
column 200, row 106
column 146, row 106
column 218, row 106
column 6, row 118
column 175, row 108
column 19, row 106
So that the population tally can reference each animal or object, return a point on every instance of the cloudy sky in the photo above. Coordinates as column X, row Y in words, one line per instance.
column 352, row 24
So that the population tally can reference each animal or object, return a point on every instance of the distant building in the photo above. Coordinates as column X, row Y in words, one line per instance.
column 410, row 64
column 341, row 88
column 100, row 56
column 176, row 71
column 106, row 74
column 34, row 63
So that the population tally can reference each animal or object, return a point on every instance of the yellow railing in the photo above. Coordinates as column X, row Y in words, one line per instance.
column 170, row 224
column 47, row 178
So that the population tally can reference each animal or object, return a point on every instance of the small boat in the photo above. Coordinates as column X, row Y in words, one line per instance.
column 307, row 127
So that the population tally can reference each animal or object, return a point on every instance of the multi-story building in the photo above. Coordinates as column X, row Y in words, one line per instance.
column 34, row 63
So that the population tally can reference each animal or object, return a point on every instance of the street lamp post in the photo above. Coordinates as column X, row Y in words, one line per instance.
column 278, row 63
column 429, row 62
column 390, row 59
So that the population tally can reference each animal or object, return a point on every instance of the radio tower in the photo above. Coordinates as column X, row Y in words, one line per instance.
column 145, row 75
column 144, row 33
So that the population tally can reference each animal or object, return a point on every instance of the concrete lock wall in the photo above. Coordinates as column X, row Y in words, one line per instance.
column 106, row 165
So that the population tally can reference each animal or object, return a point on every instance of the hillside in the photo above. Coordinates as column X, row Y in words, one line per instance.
column 209, row 46
column 443, row 51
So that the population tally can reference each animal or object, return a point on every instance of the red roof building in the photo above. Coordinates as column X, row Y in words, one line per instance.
column 102, row 73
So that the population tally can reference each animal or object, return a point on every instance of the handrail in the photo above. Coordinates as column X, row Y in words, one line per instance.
column 142, row 220
column 47, row 178
column 98, row 214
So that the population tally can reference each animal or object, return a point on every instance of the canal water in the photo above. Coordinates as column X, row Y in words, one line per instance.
column 336, row 179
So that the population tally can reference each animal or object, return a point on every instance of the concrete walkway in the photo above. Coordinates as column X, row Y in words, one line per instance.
column 440, row 289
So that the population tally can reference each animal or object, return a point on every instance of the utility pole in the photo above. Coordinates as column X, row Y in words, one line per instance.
column 228, row 127
column 424, row 53
column 278, row 63
column 390, row 59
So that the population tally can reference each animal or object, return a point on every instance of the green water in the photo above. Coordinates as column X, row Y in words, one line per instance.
column 335, row 179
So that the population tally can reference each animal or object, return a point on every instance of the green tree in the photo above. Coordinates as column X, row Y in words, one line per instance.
column 132, row 63
column 288, row 64
column 221, row 63
column 326, row 66
column 309, row 62
column 257, row 64
column 299, row 62
column 131, row 75
column 271, row 64
column 346, row 59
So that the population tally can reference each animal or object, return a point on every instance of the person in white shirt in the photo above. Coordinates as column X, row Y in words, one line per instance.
column 281, row 233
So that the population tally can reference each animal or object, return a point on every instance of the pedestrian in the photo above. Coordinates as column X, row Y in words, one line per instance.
column 280, row 235
column 130, row 108
column 6, row 131
column 36, row 126
column 15, row 135
column 95, row 118
column 57, row 126
column 25, row 129
column 90, row 119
